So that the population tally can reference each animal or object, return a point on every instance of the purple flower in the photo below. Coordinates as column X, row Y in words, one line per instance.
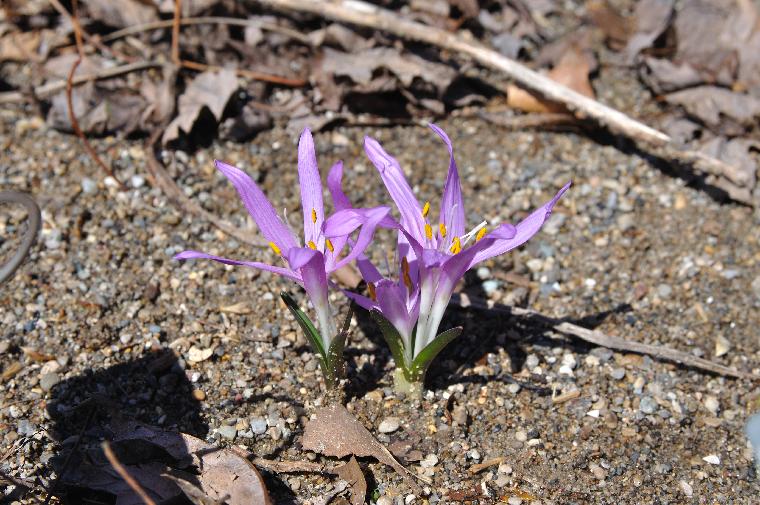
column 433, row 257
column 309, row 264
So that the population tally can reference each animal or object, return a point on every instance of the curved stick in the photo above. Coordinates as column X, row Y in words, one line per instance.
column 6, row 270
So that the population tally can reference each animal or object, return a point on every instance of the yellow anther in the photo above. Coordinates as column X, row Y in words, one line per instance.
column 426, row 209
column 428, row 231
column 314, row 215
column 456, row 246
column 442, row 230
column 329, row 245
column 405, row 274
column 481, row 234
column 312, row 245
column 275, row 249
column 372, row 292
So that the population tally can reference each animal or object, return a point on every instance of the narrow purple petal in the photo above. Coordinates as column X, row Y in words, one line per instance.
column 398, row 188
column 452, row 206
column 273, row 229
column 371, row 218
column 524, row 230
column 368, row 270
column 392, row 299
column 311, row 265
column 285, row 272
column 335, row 185
column 363, row 301
column 311, row 188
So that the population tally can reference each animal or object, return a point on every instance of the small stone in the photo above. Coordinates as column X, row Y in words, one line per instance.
column 430, row 461
column 569, row 361
column 565, row 370
column 275, row 433
column 228, row 432
column 722, row 346
column 409, row 499
column 531, row 361
column 483, row 273
column 389, row 425
column 521, row 436
column 756, row 287
column 514, row 388
column 26, row 428
column 473, row 454
column 711, row 403
column 137, row 181
column 664, row 291
column 713, row 459
column 89, row 186
column 384, row 500
column 459, row 415
column 618, row 373
column 199, row 395
column 514, row 500
column 196, row 354
column 258, row 425
column 502, row 480
column 686, row 488
column 599, row 472
column 647, row 405
column 48, row 380
column 490, row 286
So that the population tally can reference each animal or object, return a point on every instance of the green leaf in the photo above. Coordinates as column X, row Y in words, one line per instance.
column 335, row 353
column 423, row 359
column 306, row 325
column 392, row 337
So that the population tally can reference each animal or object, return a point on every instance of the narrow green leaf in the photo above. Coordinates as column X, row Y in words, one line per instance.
column 392, row 338
column 306, row 325
column 423, row 359
column 335, row 353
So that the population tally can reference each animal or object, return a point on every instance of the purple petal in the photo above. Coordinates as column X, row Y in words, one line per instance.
column 273, row 229
column 335, row 185
column 368, row 270
column 398, row 188
column 524, row 230
column 371, row 218
column 392, row 299
column 311, row 188
column 285, row 272
column 362, row 301
column 452, row 206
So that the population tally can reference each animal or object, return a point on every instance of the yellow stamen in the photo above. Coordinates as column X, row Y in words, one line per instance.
column 313, row 215
column 275, row 249
column 329, row 245
column 426, row 209
column 442, row 230
column 405, row 274
column 456, row 246
column 428, row 231
column 481, row 234
column 372, row 292
column 312, row 245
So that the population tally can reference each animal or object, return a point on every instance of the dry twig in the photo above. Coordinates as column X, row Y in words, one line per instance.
column 70, row 102
column 124, row 474
column 364, row 14
column 603, row 340
column 164, row 181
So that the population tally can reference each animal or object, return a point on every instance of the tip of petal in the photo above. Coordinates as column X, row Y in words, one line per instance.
column 186, row 255
column 438, row 131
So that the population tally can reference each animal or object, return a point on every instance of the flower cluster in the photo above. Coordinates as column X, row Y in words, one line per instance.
column 432, row 256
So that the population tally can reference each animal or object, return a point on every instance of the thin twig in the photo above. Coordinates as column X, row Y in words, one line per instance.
column 48, row 89
column 175, row 31
column 206, row 20
column 124, row 474
column 251, row 74
column 603, row 340
column 162, row 180
column 69, row 96
column 364, row 14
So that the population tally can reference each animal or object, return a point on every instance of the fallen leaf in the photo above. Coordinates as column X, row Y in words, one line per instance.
column 237, row 308
column 334, row 431
column 98, row 110
column 21, row 46
column 712, row 103
column 352, row 473
column 572, row 70
column 652, row 18
column 122, row 13
column 209, row 90
column 616, row 28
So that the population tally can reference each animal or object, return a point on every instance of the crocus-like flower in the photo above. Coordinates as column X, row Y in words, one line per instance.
column 309, row 264
column 433, row 257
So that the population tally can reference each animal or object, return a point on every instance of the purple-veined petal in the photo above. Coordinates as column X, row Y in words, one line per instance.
column 452, row 206
column 368, row 270
column 370, row 220
column 392, row 299
column 362, row 301
column 271, row 226
column 285, row 272
column 335, row 185
column 398, row 188
column 311, row 189
column 525, row 229
column 311, row 265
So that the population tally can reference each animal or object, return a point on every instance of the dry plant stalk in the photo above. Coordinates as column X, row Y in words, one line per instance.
column 124, row 474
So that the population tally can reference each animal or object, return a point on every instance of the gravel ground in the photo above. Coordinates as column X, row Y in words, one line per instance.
column 630, row 250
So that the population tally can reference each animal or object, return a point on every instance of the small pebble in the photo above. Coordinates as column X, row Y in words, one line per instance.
column 228, row 432
column 199, row 395
column 712, row 459
column 618, row 373
column 430, row 461
column 89, row 186
column 48, row 380
column 258, row 425
column 514, row 500
column 647, row 405
column 389, row 425
column 722, row 346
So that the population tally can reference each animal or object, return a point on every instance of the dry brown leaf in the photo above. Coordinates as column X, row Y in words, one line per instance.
column 711, row 103
column 572, row 70
column 616, row 28
column 37, row 356
column 122, row 13
column 352, row 473
column 334, row 431
column 237, row 308
column 20, row 46
column 211, row 90
column 652, row 18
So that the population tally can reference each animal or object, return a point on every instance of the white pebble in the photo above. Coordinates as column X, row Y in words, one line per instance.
column 713, row 459
column 389, row 425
